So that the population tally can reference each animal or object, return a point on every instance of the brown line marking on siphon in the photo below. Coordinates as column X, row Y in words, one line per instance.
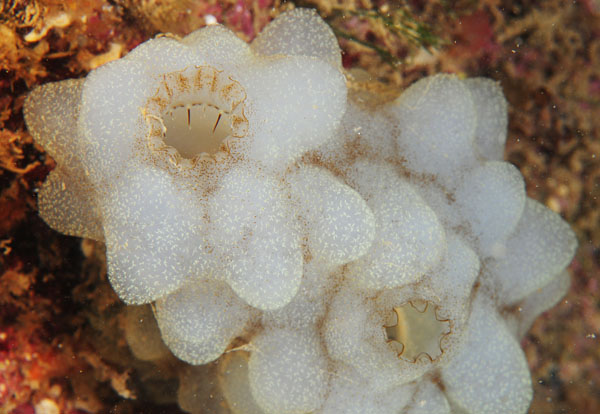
column 182, row 83
column 216, row 123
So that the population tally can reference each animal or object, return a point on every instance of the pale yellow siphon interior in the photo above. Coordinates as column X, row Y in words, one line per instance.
column 417, row 331
column 196, row 128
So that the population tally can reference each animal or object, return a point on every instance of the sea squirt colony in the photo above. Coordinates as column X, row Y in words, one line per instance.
column 335, row 253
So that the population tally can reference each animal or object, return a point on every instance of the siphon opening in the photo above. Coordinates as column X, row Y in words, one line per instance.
column 417, row 332
column 196, row 128
column 195, row 116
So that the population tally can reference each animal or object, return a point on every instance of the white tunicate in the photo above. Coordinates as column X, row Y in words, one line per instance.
column 308, row 307
column 351, row 394
column 492, row 117
column 363, row 130
column 236, row 386
column 542, row 245
column 299, row 103
column 437, row 119
column 255, row 239
column 457, row 273
column 438, row 200
column 302, row 33
column 354, row 333
column 151, row 246
column 448, row 289
column 288, row 372
column 539, row 301
column 346, row 313
column 423, row 325
column 267, row 274
column 219, row 46
column 66, row 201
column 377, row 132
column 101, row 127
column 52, row 113
column 330, row 250
column 69, row 206
column 409, row 239
column 490, row 371
column 175, row 55
column 429, row 399
column 243, row 199
column 199, row 320
column 340, row 225
column 492, row 199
